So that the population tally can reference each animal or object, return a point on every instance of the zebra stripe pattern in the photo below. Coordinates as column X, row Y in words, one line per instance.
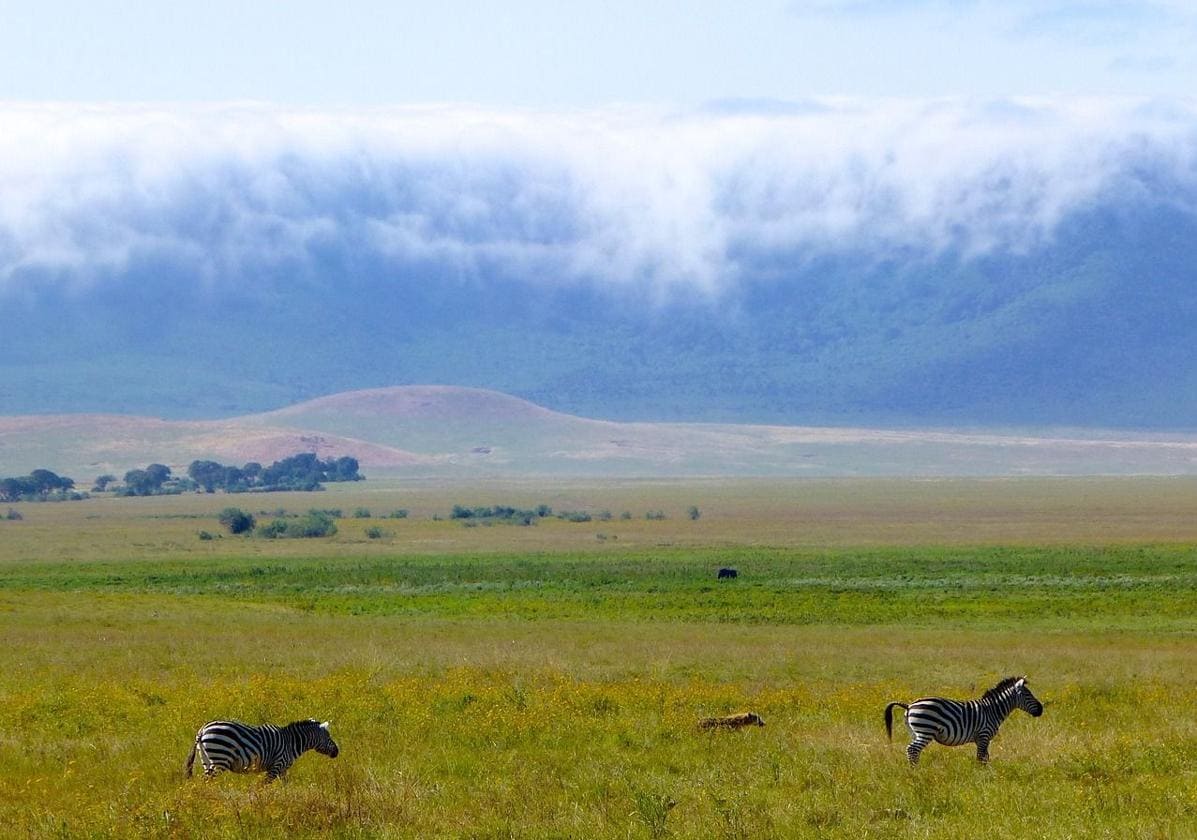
column 956, row 722
column 241, row 748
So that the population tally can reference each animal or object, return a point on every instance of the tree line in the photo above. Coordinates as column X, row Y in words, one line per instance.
column 298, row 472
column 39, row 486
column 304, row 471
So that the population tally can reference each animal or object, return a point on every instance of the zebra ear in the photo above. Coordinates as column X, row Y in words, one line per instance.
column 325, row 724
column 1021, row 682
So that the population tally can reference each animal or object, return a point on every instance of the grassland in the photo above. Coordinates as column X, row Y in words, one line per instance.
column 544, row 681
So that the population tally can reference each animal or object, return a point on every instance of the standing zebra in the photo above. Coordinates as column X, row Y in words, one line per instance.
column 241, row 748
column 956, row 722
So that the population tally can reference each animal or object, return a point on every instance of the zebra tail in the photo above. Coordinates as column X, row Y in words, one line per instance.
column 889, row 718
column 191, row 758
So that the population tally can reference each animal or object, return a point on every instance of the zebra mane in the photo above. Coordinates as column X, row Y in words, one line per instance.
column 996, row 692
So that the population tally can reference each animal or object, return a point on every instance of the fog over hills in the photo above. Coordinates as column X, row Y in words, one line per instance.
column 1025, row 263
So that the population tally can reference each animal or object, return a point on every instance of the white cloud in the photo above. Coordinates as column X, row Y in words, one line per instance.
column 632, row 197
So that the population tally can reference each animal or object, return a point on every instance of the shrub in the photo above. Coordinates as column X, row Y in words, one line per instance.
column 237, row 520
column 206, row 535
column 361, row 513
column 655, row 515
column 401, row 513
column 276, row 528
column 13, row 515
column 694, row 512
column 315, row 523
column 374, row 532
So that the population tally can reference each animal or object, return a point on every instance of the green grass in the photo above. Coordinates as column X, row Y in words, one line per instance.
column 512, row 682
column 1141, row 587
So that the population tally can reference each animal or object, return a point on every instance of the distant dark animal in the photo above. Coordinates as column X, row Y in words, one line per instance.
column 737, row 721
column 241, row 748
column 956, row 722
column 728, row 573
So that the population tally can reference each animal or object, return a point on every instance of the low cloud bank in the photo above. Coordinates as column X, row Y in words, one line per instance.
column 653, row 200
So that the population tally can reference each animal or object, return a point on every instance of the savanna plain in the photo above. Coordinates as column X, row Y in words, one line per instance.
column 544, row 681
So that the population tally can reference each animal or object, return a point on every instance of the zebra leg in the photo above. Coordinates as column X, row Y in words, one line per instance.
column 983, row 750
column 916, row 746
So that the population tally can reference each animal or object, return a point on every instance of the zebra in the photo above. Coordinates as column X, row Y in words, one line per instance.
column 956, row 722
column 241, row 748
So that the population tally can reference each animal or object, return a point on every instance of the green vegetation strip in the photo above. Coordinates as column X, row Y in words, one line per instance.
column 1141, row 587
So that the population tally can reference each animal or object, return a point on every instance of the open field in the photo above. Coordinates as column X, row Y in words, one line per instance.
column 544, row 681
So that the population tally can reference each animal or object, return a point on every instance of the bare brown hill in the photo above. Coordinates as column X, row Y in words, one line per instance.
column 435, row 403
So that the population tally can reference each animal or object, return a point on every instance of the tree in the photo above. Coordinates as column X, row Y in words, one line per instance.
column 102, row 482
column 46, row 481
column 233, row 480
column 12, row 489
column 158, row 473
column 344, row 469
column 207, row 474
column 138, row 483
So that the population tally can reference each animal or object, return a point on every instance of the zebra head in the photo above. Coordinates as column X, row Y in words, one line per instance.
column 1025, row 700
column 311, row 734
column 326, row 745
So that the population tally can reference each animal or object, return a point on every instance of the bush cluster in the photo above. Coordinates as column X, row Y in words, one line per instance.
column 304, row 471
column 154, row 480
column 314, row 523
column 501, row 513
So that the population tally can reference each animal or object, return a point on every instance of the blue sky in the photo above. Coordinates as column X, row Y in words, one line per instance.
column 553, row 54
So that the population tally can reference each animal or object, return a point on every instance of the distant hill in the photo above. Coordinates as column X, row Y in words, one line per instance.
column 462, row 432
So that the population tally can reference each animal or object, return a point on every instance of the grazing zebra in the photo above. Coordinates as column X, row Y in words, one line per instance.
column 956, row 722
column 241, row 748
